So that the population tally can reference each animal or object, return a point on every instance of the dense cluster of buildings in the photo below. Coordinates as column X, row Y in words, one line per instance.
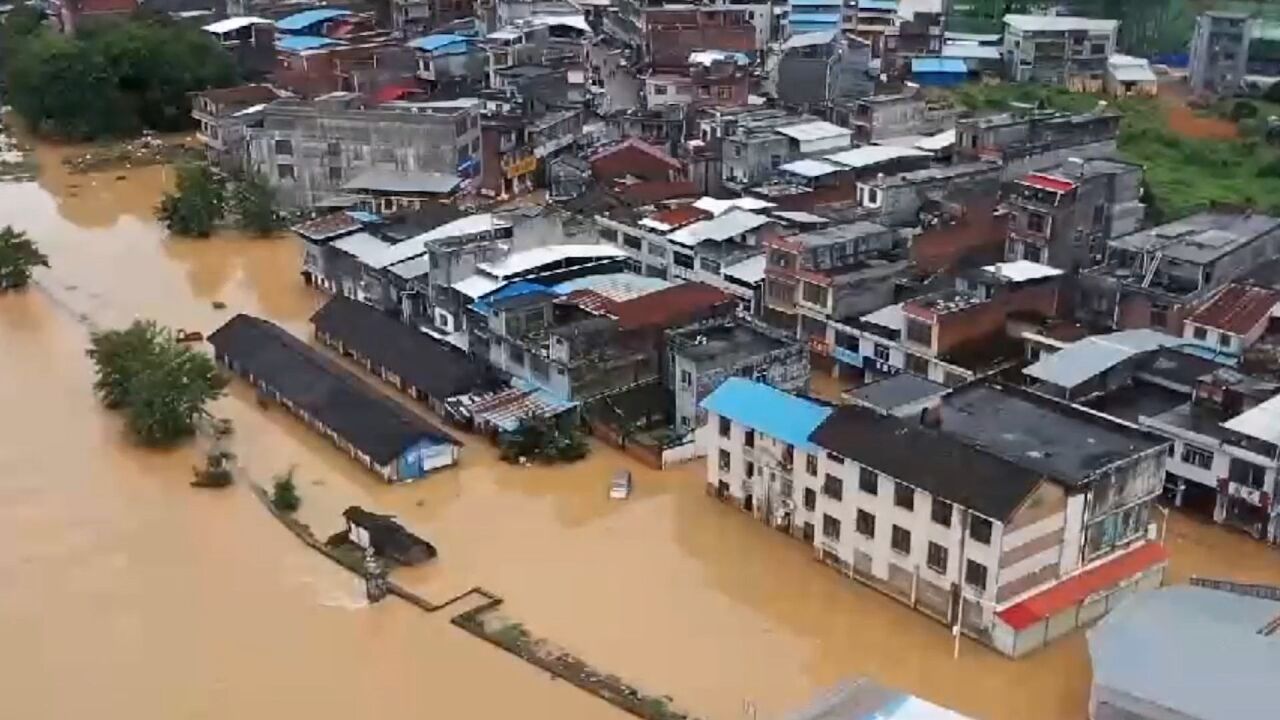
column 661, row 220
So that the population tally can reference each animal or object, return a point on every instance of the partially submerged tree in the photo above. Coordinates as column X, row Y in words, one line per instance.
column 161, row 385
column 284, row 493
column 18, row 255
column 542, row 440
column 253, row 202
column 198, row 203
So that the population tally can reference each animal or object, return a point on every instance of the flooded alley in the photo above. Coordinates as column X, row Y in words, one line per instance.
column 130, row 595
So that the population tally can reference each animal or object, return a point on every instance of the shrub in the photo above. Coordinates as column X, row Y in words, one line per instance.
column 284, row 493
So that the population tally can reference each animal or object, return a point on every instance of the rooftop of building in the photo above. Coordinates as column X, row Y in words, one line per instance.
column 895, row 391
column 399, row 181
column 1059, row 23
column 1172, row 367
column 1085, row 359
column 328, row 227
column 242, row 95
column 928, row 459
column 1064, row 442
column 1236, row 309
column 768, row 410
column 945, row 302
column 933, row 174
column 526, row 261
column 836, row 234
column 731, row 224
column 1201, row 238
column 1261, row 422
column 617, row 287
column 869, row 155
column 864, row 699
column 1192, row 651
column 1132, row 403
column 676, row 305
column 723, row 346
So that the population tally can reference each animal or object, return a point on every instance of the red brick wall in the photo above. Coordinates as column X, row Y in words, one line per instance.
column 979, row 235
column 1135, row 313
column 672, row 34
column 987, row 320
column 631, row 161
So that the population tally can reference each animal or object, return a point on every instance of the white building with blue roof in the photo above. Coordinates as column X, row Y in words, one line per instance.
column 755, row 436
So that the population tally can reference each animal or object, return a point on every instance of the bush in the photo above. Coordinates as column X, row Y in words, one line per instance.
column 284, row 494
column 1270, row 169
column 253, row 202
column 197, row 206
column 18, row 256
column 1243, row 110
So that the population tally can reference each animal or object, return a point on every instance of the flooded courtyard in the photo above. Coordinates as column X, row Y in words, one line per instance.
column 126, row 594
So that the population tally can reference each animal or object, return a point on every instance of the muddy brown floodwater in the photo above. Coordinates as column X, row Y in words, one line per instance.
column 126, row 594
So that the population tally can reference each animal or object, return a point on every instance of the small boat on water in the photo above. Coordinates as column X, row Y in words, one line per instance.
column 620, row 485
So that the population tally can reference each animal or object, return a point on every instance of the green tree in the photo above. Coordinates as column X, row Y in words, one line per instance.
column 284, row 493
column 18, row 255
column 161, row 385
column 197, row 206
column 253, row 202
column 19, row 24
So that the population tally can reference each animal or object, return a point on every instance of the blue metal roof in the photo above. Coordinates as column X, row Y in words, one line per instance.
column 298, row 21
column 768, row 410
column 877, row 4
column 365, row 217
column 298, row 43
column 815, row 18
column 510, row 290
column 432, row 43
column 938, row 65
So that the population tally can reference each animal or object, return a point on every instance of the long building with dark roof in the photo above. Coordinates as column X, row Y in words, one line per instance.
column 425, row 368
column 378, row 432
column 1011, row 515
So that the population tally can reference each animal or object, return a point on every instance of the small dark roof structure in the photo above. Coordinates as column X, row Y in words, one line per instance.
column 1175, row 369
column 1237, row 309
column 1064, row 442
column 241, row 95
column 328, row 227
column 374, row 424
column 895, row 391
column 434, row 367
column 928, row 459
column 389, row 538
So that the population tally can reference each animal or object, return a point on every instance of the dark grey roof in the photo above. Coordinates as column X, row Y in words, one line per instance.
column 389, row 538
column 1134, row 402
column 391, row 181
column 1065, row 442
column 927, row 459
column 436, row 368
column 1175, row 368
column 896, row 391
column 373, row 423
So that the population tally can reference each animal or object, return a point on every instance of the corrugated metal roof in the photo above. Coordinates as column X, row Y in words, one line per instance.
column 378, row 180
column 716, row 206
column 816, row 130
column 1237, row 308
column 750, row 271
column 477, row 286
column 299, row 43
column 810, row 168
column 614, row 286
column 234, row 23
column 942, row 140
column 298, row 21
column 1261, row 422
column 362, row 246
column 676, row 305
column 863, row 699
column 1059, row 23
column 535, row 258
column 768, row 410
column 1022, row 270
column 432, row 43
column 822, row 37
column 1194, row 652
column 1092, row 356
column 873, row 155
column 727, row 226
column 971, row 52
column 506, row 409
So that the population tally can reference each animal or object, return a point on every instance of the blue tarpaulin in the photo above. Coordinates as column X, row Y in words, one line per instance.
column 434, row 43
column 307, row 18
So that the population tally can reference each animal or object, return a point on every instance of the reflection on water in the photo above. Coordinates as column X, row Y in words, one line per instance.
column 149, row 599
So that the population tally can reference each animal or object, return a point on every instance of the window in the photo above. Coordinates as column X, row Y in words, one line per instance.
column 632, row 242
column 920, row 332
column 684, row 260
column 810, row 499
column 724, row 93
column 1032, row 252
column 833, row 487
column 284, row 147
column 749, row 470
column 1036, row 222
column 775, row 161
column 975, row 575
column 709, row 265
column 726, row 425
column 334, row 149
column 900, row 540
column 1197, row 456
column 1097, row 48
column 1159, row 316
column 847, row 341
column 937, row 558
column 1199, row 333
column 657, row 250
column 749, row 439
column 1224, row 340
column 904, row 496
column 515, row 354
column 835, row 458
column 830, row 528
column 1099, row 214
column 724, row 461
column 868, row 481
column 284, row 172
column 659, row 89
column 814, row 294
column 980, row 529
column 881, row 353
column 686, row 379
column 811, row 464
column 704, row 91
column 942, row 512
column 335, row 174
column 866, row 524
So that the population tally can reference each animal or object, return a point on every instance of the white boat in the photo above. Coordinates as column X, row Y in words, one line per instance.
column 620, row 485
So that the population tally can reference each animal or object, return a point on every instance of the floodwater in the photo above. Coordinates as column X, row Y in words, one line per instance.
column 126, row 594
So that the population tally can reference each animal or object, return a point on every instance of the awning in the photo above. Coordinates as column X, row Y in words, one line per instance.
column 1075, row 589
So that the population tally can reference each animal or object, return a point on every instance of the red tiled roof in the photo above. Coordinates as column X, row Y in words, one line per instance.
column 670, row 307
column 642, row 146
column 1237, row 309
column 328, row 226
column 593, row 302
column 680, row 215
column 1076, row 588
column 1048, row 182
column 647, row 193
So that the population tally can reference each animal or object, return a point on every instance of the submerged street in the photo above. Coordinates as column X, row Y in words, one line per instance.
column 155, row 600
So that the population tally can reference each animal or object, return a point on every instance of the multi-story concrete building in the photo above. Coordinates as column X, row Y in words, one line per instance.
column 757, row 143
column 664, row 36
column 1034, row 140
column 710, row 78
column 1219, row 52
column 702, row 356
column 878, row 117
column 1059, row 50
column 1008, row 515
column 896, row 199
column 309, row 151
column 1156, row 277
column 223, row 116
column 817, row 69
column 1065, row 215
column 809, row 16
